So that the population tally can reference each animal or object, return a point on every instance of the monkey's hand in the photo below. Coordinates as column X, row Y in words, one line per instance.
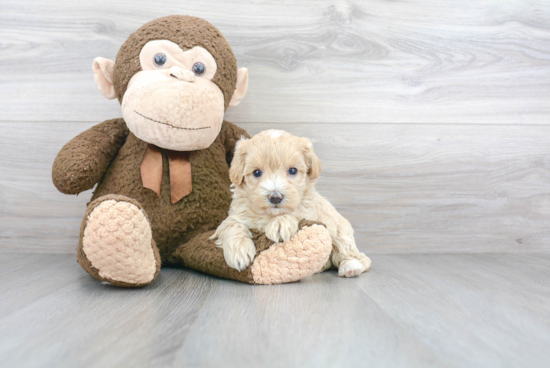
column 281, row 228
column 83, row 161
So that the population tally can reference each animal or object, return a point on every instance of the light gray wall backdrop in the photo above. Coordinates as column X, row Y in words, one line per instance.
column 432, row 118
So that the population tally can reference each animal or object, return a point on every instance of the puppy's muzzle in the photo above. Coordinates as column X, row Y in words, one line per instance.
column 275, row 198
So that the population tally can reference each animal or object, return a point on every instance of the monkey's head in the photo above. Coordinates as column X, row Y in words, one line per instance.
column 174, row 78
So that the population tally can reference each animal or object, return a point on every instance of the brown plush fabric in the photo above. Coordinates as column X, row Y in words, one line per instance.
column 82, row 162
column 81, row 256
column 187, row 32
column 109, row 155
column 202, row 254
column 200, row 211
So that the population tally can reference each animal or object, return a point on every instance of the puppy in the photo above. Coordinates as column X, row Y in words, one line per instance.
column 274, row 176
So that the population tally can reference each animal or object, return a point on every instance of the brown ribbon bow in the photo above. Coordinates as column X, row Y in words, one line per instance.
column 180, row 172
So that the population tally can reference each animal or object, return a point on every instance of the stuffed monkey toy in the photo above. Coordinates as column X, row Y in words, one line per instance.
column 162, row 171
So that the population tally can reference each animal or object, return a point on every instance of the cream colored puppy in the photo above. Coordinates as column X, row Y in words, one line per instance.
column 274, row 175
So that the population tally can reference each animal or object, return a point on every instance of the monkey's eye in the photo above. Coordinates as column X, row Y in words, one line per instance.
column 257, row 173
column 199, row 68
column 293, row 171
column 160, row 60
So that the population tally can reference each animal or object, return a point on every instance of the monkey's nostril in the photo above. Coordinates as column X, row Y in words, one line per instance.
column 181, row 74
column 275, row 198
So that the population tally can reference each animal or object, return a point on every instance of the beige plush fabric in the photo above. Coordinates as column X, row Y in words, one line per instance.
column 173, row 114
column 117, row 242
column 187, row 32
column 303, row 255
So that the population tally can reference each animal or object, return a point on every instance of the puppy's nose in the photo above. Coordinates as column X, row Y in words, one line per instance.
column 275, row 198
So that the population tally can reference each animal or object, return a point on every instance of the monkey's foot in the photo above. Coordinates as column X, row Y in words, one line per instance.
column 305, row 254
column 116, row 243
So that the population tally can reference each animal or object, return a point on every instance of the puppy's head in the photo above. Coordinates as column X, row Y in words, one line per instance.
column 275, row 169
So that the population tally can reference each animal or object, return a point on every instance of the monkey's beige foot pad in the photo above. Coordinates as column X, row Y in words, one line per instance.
column 116, row 242
column 305, row 254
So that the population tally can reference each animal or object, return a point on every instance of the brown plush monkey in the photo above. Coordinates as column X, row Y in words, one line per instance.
column 162, row 171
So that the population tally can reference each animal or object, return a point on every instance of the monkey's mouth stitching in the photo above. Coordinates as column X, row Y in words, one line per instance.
column 170, row 125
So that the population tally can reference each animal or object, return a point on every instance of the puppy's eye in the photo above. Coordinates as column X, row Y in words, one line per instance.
column 257, row 173
column 199, row 69
column 293, row 171
column 160, row 60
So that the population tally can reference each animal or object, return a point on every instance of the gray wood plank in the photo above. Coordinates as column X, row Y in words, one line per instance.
column 34, row 216
column 30, row 278
column 323, row 321
column 87, row 323
column 405, row 187
column 309, row 61
column 477, row 310
column 484, row 310
column 8, row 262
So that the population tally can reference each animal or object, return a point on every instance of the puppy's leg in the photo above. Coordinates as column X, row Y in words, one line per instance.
column 349, row 260
column 236, row 241
column 281, row 228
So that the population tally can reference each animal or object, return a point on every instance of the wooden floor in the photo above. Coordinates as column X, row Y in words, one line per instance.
column 484, row 310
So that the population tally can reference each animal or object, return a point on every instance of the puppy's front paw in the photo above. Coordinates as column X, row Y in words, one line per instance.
column 350, row 268
column 239, row 252
column 281, row 228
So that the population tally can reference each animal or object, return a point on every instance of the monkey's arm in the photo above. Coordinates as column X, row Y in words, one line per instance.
column 230, row 134
column 83, row 161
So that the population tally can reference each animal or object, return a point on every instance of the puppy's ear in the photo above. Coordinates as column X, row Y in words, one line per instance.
column 313, row 162
column 236, row 171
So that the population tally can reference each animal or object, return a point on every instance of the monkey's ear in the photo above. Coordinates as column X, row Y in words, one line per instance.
column 242, row 87
column 103, row 76
column 236, row 171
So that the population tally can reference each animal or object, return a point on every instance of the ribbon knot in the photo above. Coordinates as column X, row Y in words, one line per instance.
column 179, row 167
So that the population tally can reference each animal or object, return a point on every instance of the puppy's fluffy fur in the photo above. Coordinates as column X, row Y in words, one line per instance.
column 272, row 154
